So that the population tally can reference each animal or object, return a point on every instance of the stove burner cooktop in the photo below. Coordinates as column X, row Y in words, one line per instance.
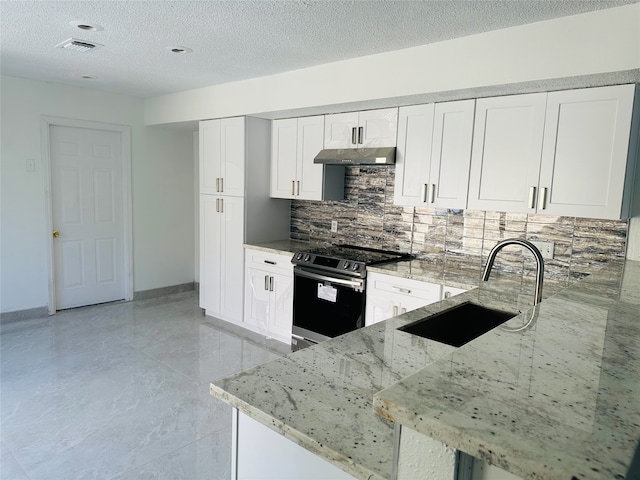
column 349, row 259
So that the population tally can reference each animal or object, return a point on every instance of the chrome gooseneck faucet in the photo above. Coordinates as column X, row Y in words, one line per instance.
column 532, row 248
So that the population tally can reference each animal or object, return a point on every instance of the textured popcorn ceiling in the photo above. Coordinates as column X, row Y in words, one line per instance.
column 235, row 40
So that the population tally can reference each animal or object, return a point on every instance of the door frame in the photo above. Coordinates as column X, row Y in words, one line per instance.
column 46, row 122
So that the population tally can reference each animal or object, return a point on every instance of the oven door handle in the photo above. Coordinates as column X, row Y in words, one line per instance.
column 356, row 284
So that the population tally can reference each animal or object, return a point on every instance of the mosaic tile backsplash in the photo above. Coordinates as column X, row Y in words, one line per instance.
column 456, row 239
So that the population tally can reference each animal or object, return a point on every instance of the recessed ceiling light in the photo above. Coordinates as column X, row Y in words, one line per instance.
column 179, row 49
column 86, row 26
column 90, row 77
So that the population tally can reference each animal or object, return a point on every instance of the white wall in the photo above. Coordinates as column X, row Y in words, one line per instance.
column 591, row 43
column 162, row 183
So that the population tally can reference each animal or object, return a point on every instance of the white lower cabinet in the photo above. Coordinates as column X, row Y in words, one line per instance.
column 389, row 296
column 268, row 294
column 264, row 454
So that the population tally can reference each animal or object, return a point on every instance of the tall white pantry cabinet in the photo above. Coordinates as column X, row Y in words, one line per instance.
column 235, row 208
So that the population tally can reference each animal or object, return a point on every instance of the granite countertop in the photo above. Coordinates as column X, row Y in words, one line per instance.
column 558, row 400
column 281, row 247
column 556, row 396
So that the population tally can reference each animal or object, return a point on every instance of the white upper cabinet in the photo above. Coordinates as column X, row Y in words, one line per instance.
column 584, row 157
column 433, row 156
column 222, row 156
column 284, row 157
column 210, row 151
column 367, row 129
column 340, row 130
column 566, row 153
column 413, row 154
column 294, row 145
column 505, row 157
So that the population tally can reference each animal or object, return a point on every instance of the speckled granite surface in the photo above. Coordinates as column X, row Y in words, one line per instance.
column 282, row 247
column 559, row 399
column 321, row 397
column 537, row 401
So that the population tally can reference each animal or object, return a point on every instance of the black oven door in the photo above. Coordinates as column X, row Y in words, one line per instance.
column 326, row 305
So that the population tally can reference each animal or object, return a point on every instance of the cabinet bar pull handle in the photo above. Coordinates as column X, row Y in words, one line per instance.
column 271, row 284
column 394, row 311
column 222, row 184
column 424, row 193
column 217, row 205
column 217, row 184
column 266, row 282
column 360, row 134
column 542, row 201
column 354, row 139
column 401, row 290
column 298, row 187
column 432, row 193
column 293, row 188
column 221, row 205
column 270, row 262
column 532, row 197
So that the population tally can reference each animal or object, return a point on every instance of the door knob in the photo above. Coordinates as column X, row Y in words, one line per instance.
column 56, row 234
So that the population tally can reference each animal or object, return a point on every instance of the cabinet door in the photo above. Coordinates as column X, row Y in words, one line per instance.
column 379, row 128
column 210, row 148
column 584, row 159
column 209, row 253
column 233, row 156
column 389, row 296
column 338, row 130
column 451, row 154
column 413, row 155
column 507, row 146
column 281, row 306
column 231, row 284
column 310, row 142
column 379, row 306
column 257, row 299
column 284, row 151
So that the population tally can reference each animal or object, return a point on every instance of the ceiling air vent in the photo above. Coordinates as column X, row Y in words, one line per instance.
column 78, row 45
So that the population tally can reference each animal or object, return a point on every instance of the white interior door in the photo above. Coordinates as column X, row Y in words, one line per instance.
column 87, row 211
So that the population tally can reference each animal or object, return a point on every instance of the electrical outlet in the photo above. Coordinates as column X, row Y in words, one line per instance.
column 334, row 226
column 30, row 164
column 546, row 248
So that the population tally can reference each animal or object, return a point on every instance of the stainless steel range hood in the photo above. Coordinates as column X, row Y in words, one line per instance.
column 357, row 156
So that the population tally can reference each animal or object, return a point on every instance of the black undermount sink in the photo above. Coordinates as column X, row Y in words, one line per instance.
column 458, row 325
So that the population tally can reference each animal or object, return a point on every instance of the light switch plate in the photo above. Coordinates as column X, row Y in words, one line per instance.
column 546, row 248
column 334, row 226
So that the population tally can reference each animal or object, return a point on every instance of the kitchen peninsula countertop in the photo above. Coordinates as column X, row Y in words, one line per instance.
column 559, row 400
column 561, row 387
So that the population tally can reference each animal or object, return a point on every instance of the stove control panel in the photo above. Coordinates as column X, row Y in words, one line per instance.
column 329, row 263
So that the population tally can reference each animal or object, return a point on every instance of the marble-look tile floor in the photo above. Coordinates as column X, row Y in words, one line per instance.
column 121, row 391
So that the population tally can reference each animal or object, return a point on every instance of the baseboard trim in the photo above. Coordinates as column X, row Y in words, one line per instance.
column 163, row 291
column 39, row 312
